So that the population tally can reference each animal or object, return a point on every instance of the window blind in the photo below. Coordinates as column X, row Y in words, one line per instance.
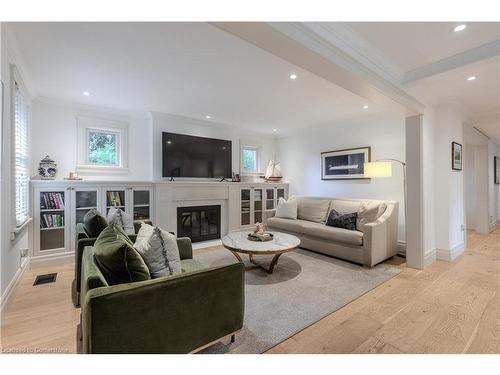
column 21, row 155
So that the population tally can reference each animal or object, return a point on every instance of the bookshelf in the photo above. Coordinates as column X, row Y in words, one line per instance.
column 51, row 220
column 255, row 201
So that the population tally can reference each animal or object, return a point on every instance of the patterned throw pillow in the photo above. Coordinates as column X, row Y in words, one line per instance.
column 159, row 250
column 346, row 221
column 122, row 219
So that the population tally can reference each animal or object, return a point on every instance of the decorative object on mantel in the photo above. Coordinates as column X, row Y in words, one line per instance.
column 345, row 164
column 456, row 156
column 496, row 162
column 47, row 168
column 73, row 176
column 260, row 233
column 236, row 177
column 273, row 172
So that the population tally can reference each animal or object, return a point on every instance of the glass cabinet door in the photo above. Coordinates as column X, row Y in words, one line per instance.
column 115, row 198
column 258, row 205
column 245, row 207
column 85, row 200
column 52, row 220
column 141, row 204
column 270, row 199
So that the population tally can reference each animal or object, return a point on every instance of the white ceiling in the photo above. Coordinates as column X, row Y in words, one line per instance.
column 413, row 44
column 190, row 69
column 421, row 44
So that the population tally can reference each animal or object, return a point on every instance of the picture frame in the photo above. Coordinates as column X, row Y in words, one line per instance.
column 496, row 170
column 345, row 164
column 456, row 156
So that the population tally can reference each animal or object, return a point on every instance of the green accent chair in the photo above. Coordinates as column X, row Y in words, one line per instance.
column 173, row 314
column 82, row 240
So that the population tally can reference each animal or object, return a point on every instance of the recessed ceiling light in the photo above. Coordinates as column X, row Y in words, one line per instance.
column 275, row 130
column 365, row 107
column 208, row 117
column 293, row 76
column 86, row 93
column 459, row 27
column 471, row 78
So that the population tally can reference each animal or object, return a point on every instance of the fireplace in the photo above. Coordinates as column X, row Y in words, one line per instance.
column 200, row 223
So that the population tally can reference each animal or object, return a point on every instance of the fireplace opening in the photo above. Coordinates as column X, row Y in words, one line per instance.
column 200, row 223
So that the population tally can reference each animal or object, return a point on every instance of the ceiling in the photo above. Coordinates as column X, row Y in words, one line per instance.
column 423, row 46
column 190, row 69
column 413, row 44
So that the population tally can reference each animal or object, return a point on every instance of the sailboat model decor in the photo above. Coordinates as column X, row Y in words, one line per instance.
column 273, row 172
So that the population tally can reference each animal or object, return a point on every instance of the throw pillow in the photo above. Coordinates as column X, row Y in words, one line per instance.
column 117, row 259
column 369, row 212
column 159, row 251
column 287, row 209
column 346, row 221
column 94, row 223
column 121, row 218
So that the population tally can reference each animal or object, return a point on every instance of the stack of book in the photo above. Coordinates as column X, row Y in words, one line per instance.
column 114, row 198
column 52, row 221
column 52, row 201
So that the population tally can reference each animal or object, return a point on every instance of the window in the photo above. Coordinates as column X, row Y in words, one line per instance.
column 250, row 159
column 102, row 146
column 21, row 154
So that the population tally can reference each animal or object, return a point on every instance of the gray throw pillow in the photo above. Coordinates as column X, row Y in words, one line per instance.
column 122, row 219
column 159, row 250
column 346, row 221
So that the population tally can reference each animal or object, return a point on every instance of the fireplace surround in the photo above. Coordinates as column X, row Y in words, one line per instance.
column 200, row 223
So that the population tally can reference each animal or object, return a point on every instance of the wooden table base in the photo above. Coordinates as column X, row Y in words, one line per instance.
column 269, row 269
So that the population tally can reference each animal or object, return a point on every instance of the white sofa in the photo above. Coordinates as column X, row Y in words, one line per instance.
column 372, row 242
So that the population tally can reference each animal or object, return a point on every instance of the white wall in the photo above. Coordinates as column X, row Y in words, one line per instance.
column 178, row 124
column 493, row 189
column 300, row 157
column 449, row 184
column 54, row 132
column 470, row 186
column 10, row 257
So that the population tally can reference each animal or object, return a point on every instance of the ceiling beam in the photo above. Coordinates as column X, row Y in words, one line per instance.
column 300, row 45
column 468, row 57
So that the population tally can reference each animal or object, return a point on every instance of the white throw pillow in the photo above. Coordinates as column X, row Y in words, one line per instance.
column 159, row 250
column 121, row 218
column 368, row 213
column 287, row 209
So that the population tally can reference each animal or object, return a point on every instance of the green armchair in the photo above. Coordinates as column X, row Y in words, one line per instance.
column 173, row 314
column 83, row 240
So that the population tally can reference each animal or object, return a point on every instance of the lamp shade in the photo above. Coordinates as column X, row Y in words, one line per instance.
column 378, row 169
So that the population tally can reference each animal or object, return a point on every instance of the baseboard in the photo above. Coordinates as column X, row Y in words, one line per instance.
column 401, row 247
column 494, row 225
column 430, row 257
column 449, row 255
column 4, row 299
column 52, row 257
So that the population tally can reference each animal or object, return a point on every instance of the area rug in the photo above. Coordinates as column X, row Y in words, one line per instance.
column 304, row 288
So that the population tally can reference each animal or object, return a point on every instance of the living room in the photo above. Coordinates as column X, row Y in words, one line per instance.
column 268, row 193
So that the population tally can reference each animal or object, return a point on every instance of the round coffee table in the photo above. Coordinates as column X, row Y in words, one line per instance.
column 238, row 243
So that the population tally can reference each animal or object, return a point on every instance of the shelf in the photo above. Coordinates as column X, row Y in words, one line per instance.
column 51, row 210
column 141, row 205
column 85, row 208
column 115, row 206
column 52, row 228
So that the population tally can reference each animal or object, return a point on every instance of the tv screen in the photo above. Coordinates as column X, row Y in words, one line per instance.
column 190, row 156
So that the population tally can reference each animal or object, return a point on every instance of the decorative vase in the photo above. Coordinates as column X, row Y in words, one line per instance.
column 47, row 168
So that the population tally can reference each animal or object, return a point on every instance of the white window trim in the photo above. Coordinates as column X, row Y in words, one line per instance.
column 86, row 123
column 17, row 80
column 259, row 160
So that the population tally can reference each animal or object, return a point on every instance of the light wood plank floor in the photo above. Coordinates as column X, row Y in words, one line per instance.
column 446, row 308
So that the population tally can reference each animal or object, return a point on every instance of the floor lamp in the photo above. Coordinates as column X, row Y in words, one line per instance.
column 383, row 168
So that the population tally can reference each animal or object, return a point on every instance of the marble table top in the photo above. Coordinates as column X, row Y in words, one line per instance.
column 238, row 241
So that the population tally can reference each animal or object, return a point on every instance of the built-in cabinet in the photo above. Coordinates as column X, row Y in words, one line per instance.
column 255, row 200
column 59, row 206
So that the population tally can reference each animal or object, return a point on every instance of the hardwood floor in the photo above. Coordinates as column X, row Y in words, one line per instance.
column 446, row 308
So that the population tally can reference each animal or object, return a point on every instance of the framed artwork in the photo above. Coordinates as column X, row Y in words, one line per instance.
column 345, row 164
column 456, row 156
column 496, row 163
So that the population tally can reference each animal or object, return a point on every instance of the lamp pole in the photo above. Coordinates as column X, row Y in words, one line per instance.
column 403, row 164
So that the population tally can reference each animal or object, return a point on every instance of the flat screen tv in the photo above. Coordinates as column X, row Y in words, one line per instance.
column 198, row 157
